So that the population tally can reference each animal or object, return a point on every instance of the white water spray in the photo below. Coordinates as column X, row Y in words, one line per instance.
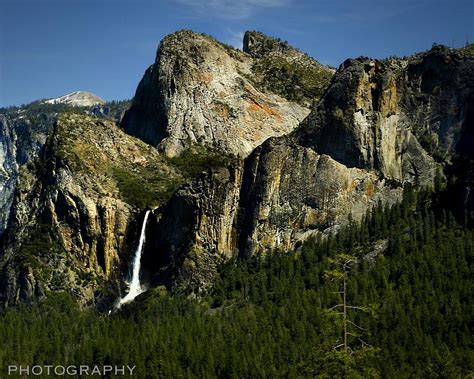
column 135, row 288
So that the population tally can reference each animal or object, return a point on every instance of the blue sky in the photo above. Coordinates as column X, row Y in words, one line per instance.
column 52, row 47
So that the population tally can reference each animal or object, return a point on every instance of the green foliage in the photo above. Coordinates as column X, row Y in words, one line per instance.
column 38, row 108
column 358, row 364
column 40, row 244
column 149, row 186
column 113, row 110
column 429, row 141
column 38, row 112
column 231, row 50
column 266, row 318
column 145, row 187
column 299, row 82
column 269, row 45
column 468, row 49
column 198, row 159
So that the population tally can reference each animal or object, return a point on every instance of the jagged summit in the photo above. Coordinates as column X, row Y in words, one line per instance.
column 258, row 45
column 77, row 99
column 286, row 70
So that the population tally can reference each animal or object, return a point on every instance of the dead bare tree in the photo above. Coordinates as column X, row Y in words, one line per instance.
column 343, row 264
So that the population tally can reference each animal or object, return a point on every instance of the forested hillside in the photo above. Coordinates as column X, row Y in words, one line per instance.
column 272, row 317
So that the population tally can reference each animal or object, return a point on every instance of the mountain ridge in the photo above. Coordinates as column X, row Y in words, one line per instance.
column 229, row 168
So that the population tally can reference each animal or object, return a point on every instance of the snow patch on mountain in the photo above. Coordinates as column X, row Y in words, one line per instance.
column 77, row 99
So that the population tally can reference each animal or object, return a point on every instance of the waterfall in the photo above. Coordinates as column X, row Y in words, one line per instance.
column 135, row 288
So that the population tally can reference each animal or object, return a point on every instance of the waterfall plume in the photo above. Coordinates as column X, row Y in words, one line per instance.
column 135, row 287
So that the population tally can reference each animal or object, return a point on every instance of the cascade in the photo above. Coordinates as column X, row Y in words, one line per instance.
column 135, row 287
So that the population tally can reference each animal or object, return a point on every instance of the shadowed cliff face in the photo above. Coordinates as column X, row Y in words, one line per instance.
column 397, row 117
column 21, row 139
column 195, row 231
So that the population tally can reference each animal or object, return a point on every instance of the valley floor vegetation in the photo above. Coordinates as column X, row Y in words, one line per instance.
column 275, row 317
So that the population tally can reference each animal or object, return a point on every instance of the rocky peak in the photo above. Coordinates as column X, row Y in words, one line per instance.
column 259, row 45
column 281, row 68
column 202, row 92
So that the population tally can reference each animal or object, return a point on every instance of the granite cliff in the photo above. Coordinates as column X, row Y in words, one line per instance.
column 201, row 92
column 380, row 126
column 22, row 136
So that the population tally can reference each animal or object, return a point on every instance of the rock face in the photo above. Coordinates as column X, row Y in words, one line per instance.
column 397, row 117
column 361, row 144
column 23, row 133
column 290, row 192
column 195, row 231
column 200, row 92
column 21, row 139
column 8, row 171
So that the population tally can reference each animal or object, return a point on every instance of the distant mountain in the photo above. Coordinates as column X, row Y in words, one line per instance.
column 77, row 99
